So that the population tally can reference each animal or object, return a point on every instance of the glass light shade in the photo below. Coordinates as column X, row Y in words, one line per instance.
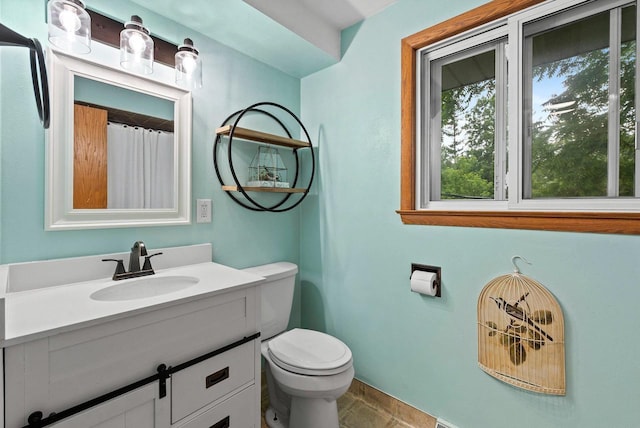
column 136, row 47
column 188, row 66
column 69, row 26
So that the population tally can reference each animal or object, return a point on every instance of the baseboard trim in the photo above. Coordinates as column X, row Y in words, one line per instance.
column 399, row 409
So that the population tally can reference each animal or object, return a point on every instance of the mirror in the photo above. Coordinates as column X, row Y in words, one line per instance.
column 119, row 148
column 123, row 148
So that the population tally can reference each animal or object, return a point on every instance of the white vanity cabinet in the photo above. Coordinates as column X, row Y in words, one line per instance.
column 56, row 372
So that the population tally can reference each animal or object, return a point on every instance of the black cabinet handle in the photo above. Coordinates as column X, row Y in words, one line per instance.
column 216, row 377
column 224, row 423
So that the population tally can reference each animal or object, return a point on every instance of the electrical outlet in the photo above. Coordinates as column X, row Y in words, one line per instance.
column 203, row 211
column 440, row 423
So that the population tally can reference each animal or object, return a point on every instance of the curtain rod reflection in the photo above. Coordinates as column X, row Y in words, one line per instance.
column 137, row 127
column 132, row 118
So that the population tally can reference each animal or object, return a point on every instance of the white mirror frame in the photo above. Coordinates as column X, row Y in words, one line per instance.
column 59, row 211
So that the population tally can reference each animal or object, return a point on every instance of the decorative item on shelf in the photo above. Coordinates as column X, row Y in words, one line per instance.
column 521, row 333
column 136, row 47
column 188, row 66
column 69, row 26
column 267, row 172
column 267, row 169
column 39, row 79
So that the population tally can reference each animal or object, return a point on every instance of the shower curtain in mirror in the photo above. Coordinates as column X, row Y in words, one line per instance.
column 140, row 167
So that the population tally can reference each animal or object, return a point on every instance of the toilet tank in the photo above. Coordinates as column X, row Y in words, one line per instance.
column 277, row 296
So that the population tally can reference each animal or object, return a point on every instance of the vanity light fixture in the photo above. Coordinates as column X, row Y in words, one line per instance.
column 136, row 47
column 69, row 26
column 188, row 66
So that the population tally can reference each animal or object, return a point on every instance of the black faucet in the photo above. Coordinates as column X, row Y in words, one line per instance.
column 138, row 250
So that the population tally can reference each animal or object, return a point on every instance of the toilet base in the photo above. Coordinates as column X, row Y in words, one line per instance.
column 305, row 413
column 274, row 420
column 313, row 413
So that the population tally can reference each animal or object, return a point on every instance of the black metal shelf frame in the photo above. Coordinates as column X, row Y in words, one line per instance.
column 254, row 205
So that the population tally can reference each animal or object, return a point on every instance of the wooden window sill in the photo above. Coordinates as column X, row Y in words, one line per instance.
column 596, row 222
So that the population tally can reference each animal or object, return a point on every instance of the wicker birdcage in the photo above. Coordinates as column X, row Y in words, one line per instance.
column 521, row 334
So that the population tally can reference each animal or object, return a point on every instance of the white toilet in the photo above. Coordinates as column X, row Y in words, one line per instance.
column 306, row 370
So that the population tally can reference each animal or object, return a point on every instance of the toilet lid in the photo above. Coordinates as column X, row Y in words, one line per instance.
column 309, row 352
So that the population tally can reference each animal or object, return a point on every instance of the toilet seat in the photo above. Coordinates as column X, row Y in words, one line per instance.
column 309, row 352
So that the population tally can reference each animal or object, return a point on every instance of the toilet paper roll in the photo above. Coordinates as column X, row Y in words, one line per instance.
column 424, row 282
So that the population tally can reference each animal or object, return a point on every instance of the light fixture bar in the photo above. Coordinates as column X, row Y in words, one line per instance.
column 107, row 31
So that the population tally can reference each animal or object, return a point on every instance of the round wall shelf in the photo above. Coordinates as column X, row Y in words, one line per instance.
column 230, row 129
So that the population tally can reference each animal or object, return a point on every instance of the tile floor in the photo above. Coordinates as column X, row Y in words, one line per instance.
column 355, row 413
column 365, row 407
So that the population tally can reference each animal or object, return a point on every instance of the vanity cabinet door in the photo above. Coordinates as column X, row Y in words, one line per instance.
column 140, row 408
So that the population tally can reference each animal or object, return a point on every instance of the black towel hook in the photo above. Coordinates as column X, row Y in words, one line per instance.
column 39, row 78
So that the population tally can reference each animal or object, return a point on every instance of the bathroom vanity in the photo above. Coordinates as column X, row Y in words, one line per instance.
column 180, row 350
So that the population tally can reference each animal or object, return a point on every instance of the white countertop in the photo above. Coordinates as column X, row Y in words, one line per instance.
column 43, row 312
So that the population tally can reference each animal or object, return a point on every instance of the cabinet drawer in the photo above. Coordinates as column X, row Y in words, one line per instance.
column 239, row 411
column 210, row 380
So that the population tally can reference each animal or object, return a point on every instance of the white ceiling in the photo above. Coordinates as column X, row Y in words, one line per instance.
column 320, row 22
column 298, row 37
column 344, row 13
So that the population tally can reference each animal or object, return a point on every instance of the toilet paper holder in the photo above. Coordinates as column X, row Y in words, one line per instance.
column 433, row 269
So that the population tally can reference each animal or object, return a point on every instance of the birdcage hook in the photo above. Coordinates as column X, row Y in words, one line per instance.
column 516, row 269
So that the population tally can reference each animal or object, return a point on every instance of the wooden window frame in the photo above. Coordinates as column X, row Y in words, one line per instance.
column 579, row 221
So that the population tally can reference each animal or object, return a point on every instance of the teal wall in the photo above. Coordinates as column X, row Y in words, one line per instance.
column 102, row 94
column 356, row 256
column 232, row 81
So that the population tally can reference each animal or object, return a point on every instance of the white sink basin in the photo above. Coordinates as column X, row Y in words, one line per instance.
column 144, row 288
column 47, row 297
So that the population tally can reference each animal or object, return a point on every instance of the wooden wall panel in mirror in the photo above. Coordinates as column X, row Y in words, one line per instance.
column 89, row 157
column 119, row 148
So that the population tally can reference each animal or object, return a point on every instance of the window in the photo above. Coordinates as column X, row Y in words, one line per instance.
column 579, row 104
column 526, row 120
column 464, row 131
